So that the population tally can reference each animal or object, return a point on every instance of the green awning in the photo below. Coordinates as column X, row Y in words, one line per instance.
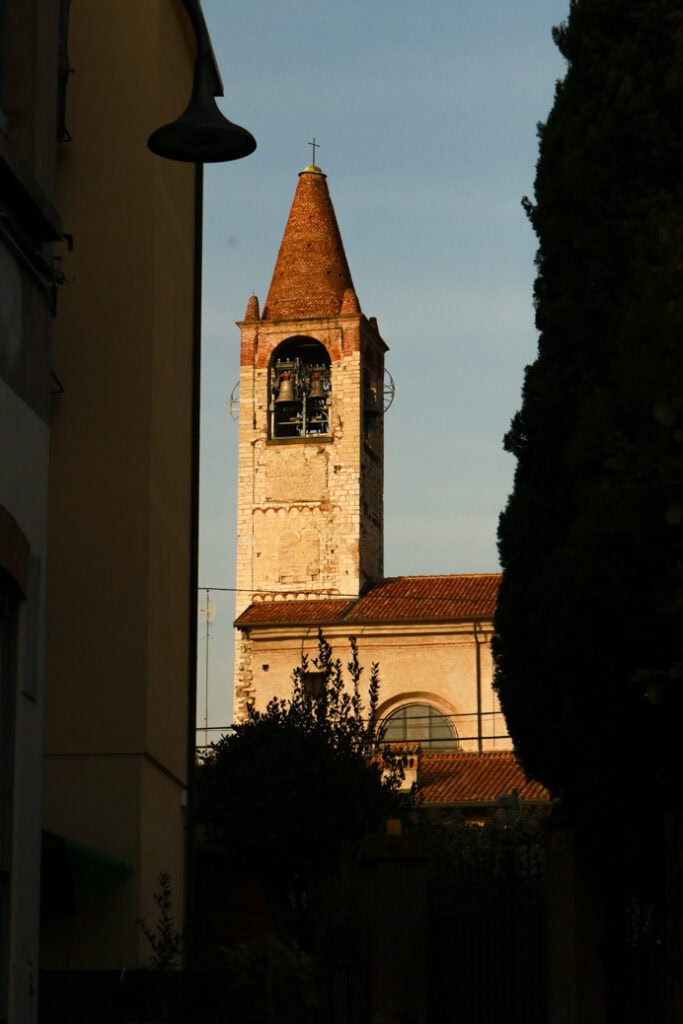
column 74, row 874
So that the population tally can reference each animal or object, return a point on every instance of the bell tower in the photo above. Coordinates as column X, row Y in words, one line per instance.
column 311, row 435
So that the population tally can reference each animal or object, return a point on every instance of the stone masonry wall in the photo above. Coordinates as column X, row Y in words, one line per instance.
column 310, row 509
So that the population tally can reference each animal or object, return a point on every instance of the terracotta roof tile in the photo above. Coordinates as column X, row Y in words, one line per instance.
column 428, row 598
column 293, row 613
column 311, row 274
column 463, row 777
column 399, row 599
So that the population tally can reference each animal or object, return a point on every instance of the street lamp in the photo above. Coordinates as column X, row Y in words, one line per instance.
column 201, row 134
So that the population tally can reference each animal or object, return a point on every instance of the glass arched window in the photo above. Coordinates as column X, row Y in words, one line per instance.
column 299, row 389
column 420, row 723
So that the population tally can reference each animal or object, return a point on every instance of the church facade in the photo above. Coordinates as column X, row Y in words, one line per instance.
column 313, row 392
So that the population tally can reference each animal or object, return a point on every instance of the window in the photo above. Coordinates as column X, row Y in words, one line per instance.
column 420, row 723
column 313, row 684
column 299, row 389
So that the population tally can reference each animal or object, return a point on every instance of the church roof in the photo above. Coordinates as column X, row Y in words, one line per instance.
column 399, row 599
column 311, row 274
column 465, row 777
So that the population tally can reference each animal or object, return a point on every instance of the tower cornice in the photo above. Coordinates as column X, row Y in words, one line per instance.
column 314, row 324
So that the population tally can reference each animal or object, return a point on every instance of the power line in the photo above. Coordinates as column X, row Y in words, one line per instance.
column 426, row 741
column 413, row 718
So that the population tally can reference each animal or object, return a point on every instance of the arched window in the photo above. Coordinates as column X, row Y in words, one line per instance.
column 420, row 723
column 299, row 389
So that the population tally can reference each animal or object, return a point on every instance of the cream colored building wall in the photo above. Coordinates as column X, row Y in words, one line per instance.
column 92, row 800
column 119, row 602
column 436, row 665
column 129, row 787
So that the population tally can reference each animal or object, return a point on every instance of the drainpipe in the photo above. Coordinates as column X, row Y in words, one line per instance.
column 477, row 644
column 194, row 560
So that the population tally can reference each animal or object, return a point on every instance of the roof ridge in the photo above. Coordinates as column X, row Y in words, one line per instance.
column 471, row 753
column 440, row 576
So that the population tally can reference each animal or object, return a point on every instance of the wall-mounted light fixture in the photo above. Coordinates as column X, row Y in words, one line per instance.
column 202, row 134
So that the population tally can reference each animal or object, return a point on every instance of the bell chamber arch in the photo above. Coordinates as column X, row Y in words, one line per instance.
column 299, row 392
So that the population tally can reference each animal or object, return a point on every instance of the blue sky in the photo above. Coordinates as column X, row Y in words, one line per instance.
column 426, row 116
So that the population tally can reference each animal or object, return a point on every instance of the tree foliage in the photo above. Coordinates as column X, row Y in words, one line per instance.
column 588, row 630
column 287, row 790
column 165, row 940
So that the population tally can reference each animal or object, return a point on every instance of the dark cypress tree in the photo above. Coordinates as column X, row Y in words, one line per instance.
column 589, row 630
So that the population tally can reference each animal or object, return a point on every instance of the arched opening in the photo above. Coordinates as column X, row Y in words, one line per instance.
column 299, row 389
column 420, row 723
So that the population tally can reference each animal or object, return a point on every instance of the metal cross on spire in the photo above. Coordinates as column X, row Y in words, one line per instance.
column 315, row 145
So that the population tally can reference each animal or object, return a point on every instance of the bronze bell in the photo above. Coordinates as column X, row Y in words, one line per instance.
column 286, row 390
column 317, row 387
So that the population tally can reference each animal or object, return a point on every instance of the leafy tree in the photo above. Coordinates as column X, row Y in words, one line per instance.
column 507, row 846
column 287, row 791
column 165, row 940
column 589, row 645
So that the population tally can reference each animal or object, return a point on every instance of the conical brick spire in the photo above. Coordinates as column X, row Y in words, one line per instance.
column 311, row 274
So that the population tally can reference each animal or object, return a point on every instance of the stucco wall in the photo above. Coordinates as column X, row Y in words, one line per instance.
column 448, row 667
column 120, row 610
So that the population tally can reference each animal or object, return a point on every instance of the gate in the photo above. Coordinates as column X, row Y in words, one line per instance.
column 487, row 934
